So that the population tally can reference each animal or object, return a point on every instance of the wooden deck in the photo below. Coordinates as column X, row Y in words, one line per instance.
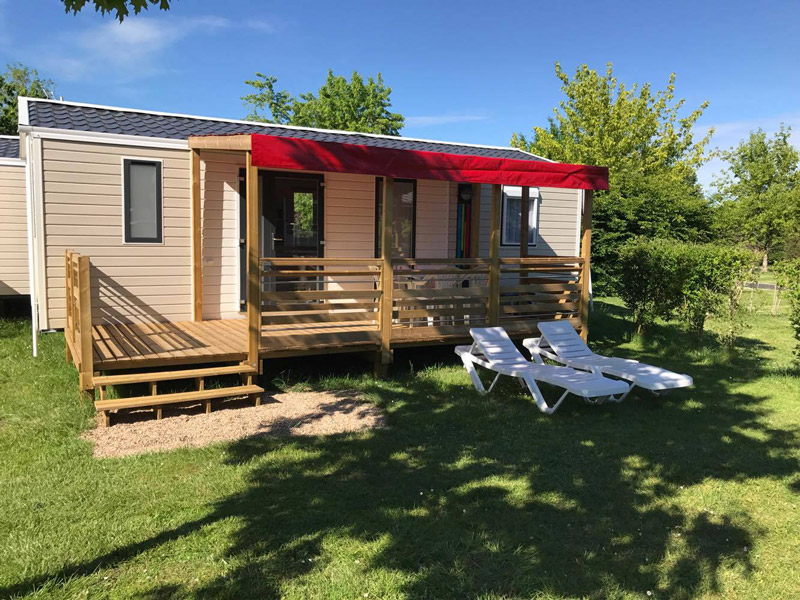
column 320, row 306
column 134, row 345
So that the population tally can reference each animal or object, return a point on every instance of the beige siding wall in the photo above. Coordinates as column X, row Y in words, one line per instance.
column 220, row 217
column 13, row 232
column 559, row 218
column 82, row 185
column 433, row 219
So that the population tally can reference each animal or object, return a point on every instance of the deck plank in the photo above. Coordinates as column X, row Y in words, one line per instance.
column 115, row 350
column 214, row 342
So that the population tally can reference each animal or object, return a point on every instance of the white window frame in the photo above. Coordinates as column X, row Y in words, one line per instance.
column 534, row 199
column 160, row 192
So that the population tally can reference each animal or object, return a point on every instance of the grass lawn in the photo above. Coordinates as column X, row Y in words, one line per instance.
column 695, row 495
column 768, row 277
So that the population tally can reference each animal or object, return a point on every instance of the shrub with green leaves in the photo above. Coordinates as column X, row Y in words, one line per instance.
column 788, row 279
column 669, row 278
column 651, row 279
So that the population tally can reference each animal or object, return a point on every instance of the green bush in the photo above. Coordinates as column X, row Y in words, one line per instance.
column 650, row 276
column 669, row 278
column 788, row 278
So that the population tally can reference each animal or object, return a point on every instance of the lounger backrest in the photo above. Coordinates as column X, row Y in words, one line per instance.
column 496, row 346
column 563, row 339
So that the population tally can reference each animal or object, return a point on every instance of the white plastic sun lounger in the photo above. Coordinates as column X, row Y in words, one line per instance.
column 494, row 350
column 561, row 343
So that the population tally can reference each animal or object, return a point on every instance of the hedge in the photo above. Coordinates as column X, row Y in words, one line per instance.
column 668, row 279
column 788, row 277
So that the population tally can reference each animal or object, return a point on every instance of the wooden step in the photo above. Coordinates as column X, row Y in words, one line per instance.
column 160, row 399
column 173, row 375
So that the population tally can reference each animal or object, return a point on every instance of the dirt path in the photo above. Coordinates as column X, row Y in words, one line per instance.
column 293, row 413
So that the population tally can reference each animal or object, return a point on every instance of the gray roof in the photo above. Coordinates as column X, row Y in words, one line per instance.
column 9, row 147
column 64, row 115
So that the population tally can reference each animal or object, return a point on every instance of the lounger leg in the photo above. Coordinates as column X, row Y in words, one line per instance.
column 473, row 374
column 623, row 396
column 494, row 381
column 539, row 399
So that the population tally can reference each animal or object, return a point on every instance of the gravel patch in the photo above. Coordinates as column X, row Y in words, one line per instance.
column 291, row 413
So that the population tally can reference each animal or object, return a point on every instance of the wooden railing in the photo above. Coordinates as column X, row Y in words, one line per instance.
column 341, row 299
column 78, row 327
column 328, row 299
column 439, row 297
column 538, row 288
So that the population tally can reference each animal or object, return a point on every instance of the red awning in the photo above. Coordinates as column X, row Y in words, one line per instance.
column 277, row 152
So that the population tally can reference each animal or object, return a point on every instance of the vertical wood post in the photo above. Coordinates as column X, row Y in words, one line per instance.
column 253, row 267
column 69, row 299
column 586, row 255
column 387, row 273
column 86, row 374
column 493, row 313
column 197, row 243
column 475, row 224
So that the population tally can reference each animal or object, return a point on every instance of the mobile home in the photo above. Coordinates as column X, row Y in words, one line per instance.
column 14, row 262
column 163, row 240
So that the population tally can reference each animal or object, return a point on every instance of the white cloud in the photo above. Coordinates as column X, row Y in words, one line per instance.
column 131, row 50
column 430, row 120
column 730, row 133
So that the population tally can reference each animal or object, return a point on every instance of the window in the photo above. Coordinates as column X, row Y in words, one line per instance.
column 512, row 205
column 404, row 217
column 142, row 201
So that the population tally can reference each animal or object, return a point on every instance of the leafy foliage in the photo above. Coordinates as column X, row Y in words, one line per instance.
column 119, row 8
column 759, row 192
column 668, row 278
column 354, row 105
column 788, row 279
column 19, row 80
column 651, row 154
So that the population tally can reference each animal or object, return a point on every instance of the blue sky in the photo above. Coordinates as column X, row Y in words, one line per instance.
column 469, row 71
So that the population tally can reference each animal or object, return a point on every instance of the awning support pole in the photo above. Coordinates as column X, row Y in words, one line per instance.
column 253, row 268
column 387, row 274
column 586, row 255
column 493, row 314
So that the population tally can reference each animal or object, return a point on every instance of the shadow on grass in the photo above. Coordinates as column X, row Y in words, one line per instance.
column 468, row 495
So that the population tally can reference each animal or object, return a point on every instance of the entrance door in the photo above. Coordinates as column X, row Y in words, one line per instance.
column 291, row 226
column 292, row 211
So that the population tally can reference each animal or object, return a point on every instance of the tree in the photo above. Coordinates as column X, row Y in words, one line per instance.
column 120, row 8
column 759, row 192
column 354, row 105
column 19, row 80
column 652, row 157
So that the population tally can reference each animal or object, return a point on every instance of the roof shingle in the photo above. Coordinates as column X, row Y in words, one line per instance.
column 61, row 115
column 9, row 147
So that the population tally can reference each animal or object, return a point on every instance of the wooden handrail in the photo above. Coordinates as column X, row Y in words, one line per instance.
column 543, row 260
column 78, row 326
column 411, row 262
column 319, row 262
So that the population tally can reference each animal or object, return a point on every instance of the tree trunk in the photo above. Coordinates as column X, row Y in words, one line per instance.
column 764, row 262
